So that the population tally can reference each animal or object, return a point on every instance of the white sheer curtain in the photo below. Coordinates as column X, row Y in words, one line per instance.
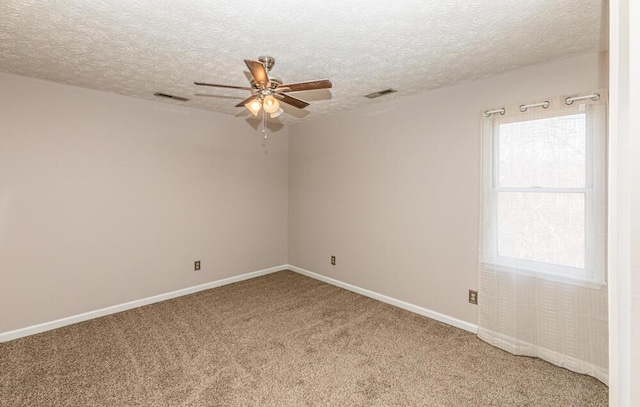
column 542, row 280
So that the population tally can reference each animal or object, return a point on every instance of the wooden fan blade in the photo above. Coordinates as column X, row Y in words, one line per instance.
column 221, row 86
column 300, row 104
column 247, row 100
column 310, row 85
column 257, row 70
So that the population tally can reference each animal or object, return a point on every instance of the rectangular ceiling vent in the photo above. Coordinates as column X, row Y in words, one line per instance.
column 165, row 95
column 380, row 93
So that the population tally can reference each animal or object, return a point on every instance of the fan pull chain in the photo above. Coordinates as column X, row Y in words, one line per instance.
column 264, row 124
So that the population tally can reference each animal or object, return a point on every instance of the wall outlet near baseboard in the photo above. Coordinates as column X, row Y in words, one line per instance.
column 196, row 265
column 333, row 260
column 473, row 297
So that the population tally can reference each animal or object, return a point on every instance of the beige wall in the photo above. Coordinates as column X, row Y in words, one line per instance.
column 392, row 190
column 106, row 199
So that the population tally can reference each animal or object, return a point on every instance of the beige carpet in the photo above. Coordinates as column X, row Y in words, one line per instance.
column 277, row 340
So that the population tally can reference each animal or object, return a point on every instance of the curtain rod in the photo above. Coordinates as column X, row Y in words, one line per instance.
column 488, row 113
column 523, row 108
column 571, row 99
column 545, row 104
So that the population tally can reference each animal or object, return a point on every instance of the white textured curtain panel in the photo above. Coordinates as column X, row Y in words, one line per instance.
column 542, row 278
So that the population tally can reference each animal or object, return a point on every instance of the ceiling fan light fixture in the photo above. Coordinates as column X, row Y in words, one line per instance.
column 269, row 93
column 271, row 104
column 254, row 106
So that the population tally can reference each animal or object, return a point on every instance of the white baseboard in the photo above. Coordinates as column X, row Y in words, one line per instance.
column 389, row 300
column 47, row 326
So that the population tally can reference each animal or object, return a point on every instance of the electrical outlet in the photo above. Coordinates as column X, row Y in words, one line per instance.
column 473, row 297
column 333, row 260
column 196, row 265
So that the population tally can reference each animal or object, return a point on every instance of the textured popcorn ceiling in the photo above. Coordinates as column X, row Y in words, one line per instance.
column 138, row 47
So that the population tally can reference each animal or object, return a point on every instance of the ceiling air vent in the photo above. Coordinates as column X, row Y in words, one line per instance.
column 165, row 95
column 380, row 93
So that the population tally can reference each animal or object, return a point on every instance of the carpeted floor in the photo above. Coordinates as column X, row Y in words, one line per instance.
column 278, row 340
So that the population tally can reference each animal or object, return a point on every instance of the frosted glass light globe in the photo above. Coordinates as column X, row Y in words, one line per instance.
column 271, row 104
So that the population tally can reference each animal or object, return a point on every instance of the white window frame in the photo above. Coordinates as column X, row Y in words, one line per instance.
column 593, row 273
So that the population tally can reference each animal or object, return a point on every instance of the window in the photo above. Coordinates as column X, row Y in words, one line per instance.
column 544, row 191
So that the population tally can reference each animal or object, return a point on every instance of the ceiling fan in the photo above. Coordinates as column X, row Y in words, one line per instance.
column 267, row 93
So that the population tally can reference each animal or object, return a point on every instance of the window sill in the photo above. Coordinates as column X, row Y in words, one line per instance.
column 571, row 280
